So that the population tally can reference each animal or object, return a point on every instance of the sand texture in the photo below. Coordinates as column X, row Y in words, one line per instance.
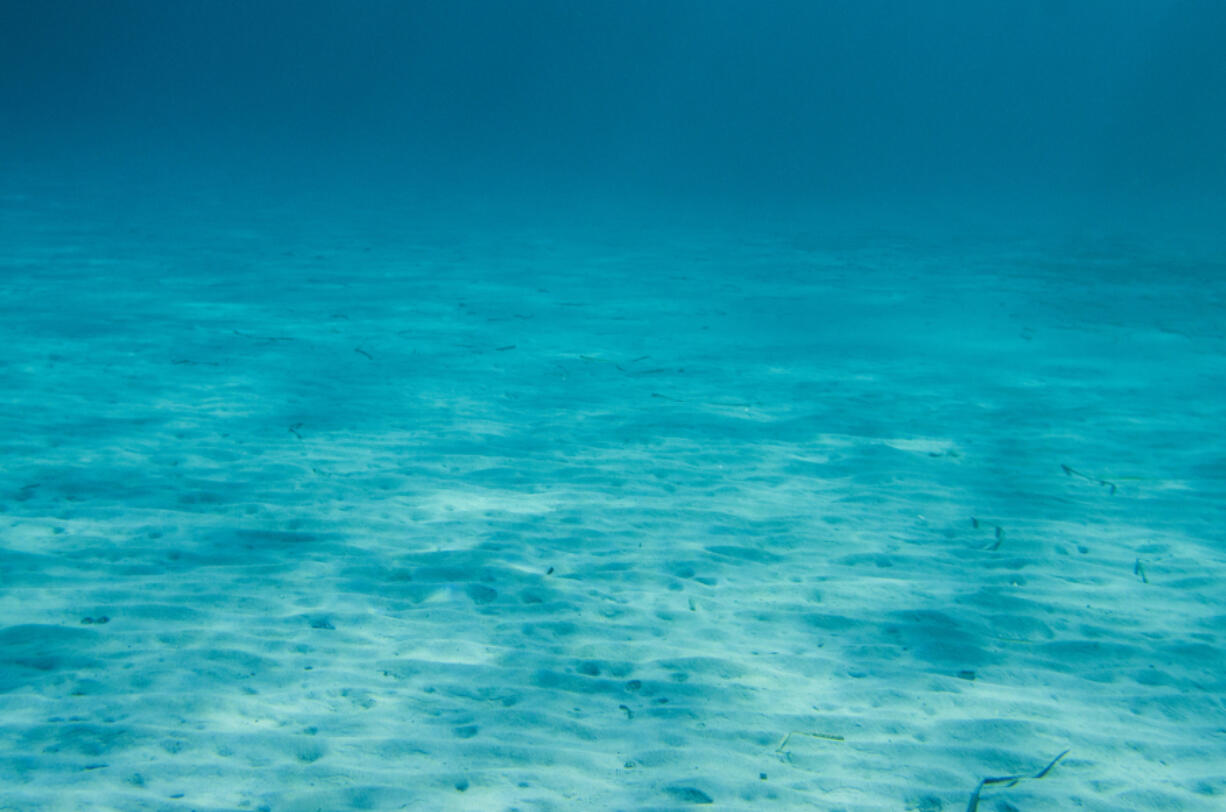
column 549, row 519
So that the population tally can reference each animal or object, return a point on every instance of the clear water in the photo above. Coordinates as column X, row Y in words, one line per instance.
column 591, row 405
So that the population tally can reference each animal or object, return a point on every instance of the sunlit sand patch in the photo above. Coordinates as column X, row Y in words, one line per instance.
column 933, row 447
column 450, row 503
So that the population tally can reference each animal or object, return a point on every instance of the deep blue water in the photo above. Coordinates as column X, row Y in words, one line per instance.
column 1088, row 112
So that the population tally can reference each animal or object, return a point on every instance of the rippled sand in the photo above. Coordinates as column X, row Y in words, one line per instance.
column 563, row 519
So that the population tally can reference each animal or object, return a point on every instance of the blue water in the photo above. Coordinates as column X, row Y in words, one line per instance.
column 612, row 405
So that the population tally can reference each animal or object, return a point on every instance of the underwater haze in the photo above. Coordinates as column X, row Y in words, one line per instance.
column 1070, row 110
column 541, row 405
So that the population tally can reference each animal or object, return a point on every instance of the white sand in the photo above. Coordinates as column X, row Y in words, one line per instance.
column 543, row 519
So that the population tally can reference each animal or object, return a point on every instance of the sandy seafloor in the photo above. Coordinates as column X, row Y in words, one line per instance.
column 437, row 516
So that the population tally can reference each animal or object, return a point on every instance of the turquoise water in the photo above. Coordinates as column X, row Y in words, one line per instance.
column 625, row 406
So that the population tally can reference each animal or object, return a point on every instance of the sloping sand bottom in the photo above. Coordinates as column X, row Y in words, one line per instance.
column 539, row 519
